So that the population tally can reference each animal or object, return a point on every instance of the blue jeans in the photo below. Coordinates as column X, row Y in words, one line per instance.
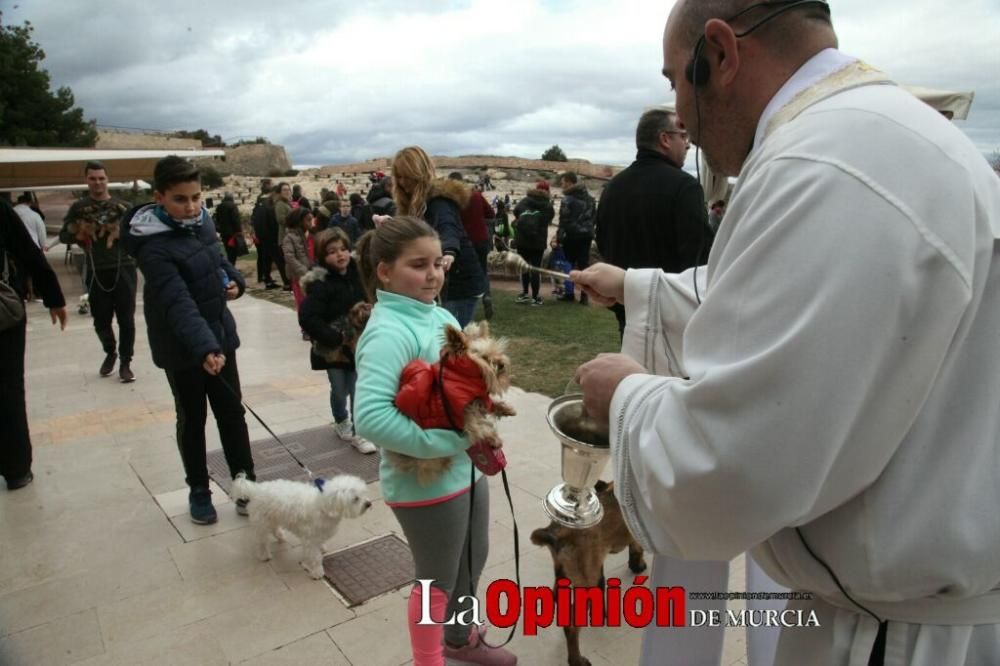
column 462, row 308
column 341, row 387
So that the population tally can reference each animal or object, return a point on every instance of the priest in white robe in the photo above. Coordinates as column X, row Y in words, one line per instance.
column 824, row 392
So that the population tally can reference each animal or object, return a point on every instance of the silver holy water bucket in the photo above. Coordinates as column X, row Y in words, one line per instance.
column 585, row 452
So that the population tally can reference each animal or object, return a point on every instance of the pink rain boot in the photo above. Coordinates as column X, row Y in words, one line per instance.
column 477, row 652
column 426, row 639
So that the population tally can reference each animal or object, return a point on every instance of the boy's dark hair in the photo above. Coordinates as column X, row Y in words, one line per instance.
column 172, row 170
column 24, row 198
column 569, row 177
column 94, row 165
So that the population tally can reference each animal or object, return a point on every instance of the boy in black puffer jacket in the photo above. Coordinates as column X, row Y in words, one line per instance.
column 331, row 289
column 192, row 334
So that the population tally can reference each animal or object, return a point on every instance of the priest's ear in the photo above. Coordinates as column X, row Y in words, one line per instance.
column 720, row 54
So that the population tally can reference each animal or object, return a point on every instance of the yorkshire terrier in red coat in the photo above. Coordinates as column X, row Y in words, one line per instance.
column 455, row 394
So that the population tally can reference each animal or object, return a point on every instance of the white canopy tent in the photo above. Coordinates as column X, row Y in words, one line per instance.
column 45, row 168
column 140, row 184
column 953, row 105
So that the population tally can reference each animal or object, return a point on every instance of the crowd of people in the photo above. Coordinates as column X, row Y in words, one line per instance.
column 807, row 371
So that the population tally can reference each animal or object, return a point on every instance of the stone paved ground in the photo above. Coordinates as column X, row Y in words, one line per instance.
column 99, row 563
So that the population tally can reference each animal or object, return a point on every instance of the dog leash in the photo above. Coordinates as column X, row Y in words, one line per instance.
column 472, row 505
column 318, row 482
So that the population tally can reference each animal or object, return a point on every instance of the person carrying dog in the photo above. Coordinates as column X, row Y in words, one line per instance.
column 402, row 267
column 93, row 222
column 332, row 288
column 192, row 334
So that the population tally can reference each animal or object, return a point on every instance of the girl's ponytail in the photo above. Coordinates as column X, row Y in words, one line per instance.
column 366, row 267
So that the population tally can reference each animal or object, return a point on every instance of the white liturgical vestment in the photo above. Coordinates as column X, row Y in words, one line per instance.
column 841, row 375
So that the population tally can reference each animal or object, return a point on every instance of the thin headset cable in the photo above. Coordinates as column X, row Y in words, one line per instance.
column 697, row 154
column 699, row 46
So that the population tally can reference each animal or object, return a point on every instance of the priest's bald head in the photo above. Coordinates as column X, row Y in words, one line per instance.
column 745, row 52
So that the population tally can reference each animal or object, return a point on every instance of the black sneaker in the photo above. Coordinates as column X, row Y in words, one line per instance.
column 286, row 287
column 125, row 374
column 202, row 511
column 536, row 301
column 109, row 364
column 17, row 484
column 272, row 285
column 523, row 299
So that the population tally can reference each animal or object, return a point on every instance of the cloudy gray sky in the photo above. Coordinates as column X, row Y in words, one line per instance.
column 337, row 81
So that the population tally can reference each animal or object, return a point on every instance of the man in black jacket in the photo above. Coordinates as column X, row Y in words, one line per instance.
column 576, row 224
column 652, row 214
column 20, row 258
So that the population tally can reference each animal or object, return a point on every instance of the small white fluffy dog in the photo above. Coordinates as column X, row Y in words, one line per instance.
column 303, row 510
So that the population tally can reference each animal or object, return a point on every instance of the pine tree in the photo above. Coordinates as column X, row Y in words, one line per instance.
column 555, row 154
column 30, row 114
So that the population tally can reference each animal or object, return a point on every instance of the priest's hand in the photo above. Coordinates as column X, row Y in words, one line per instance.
column 600, row 378
column 604, row 283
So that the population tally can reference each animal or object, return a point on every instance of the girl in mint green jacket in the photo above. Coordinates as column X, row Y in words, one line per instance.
column 402, row 263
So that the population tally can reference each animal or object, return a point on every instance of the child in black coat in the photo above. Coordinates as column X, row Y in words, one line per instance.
column 192, row 334
column 331, row 289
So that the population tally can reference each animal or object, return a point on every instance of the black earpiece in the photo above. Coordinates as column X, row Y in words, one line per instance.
column 698, row 70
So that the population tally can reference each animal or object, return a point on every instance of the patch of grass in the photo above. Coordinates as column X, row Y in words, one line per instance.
column 548, row 343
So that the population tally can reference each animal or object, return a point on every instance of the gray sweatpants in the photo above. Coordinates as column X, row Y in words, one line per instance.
column 440, row 536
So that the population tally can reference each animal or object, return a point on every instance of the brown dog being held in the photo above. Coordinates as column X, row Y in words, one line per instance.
column 578, row 555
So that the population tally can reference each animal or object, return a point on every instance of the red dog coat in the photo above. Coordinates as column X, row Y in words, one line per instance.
column 419, row 395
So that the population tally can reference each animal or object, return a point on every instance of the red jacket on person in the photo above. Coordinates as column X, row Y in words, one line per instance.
column 474, row 217
column 419, row 395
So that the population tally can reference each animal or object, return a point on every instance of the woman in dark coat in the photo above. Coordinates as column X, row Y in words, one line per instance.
column 229, row 225
column 440, row 203
column 22, row 258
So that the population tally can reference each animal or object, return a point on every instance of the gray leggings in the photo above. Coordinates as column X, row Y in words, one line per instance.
column 439, row 541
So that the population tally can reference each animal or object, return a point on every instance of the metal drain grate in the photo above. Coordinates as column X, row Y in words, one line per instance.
column 365, row 571
column 318, row 448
